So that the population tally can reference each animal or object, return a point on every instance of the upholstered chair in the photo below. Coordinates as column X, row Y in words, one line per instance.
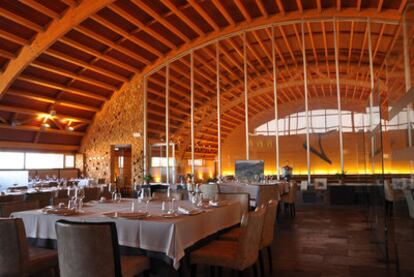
column 91, row 249
column 267, row 193
column 237, row 255
column 242, row 197
column 209, row 191
column 267, row 233
column 44, row 198
column 7, row 208
column 16, row 257
column 92, row 193
column 290, row 198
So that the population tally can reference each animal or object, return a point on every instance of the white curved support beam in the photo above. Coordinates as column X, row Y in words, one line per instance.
column 58, row 28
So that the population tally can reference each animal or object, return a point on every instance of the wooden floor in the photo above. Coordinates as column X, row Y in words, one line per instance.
column 328, row 241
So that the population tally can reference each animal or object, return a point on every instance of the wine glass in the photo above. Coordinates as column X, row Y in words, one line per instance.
column 146, row 197
column 81, row 196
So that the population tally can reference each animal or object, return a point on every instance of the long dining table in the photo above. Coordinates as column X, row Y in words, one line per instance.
column 169, row 236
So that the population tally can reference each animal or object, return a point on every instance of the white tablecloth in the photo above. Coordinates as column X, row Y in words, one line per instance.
column 169, row 236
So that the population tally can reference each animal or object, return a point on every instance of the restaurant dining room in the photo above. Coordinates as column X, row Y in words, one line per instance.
column 206, row 138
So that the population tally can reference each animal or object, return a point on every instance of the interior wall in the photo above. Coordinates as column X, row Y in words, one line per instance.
column 116, row 123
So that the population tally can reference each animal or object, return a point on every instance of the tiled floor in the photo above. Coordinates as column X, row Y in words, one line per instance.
column 332, row 241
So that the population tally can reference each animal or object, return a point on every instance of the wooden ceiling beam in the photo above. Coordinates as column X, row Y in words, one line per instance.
column 142, row 26
column 53, row 85
column 204, row 14
column 262, row 9
column 41, row 8
column 19, row 110
column 31, row 128
column 224, row 12
column 38, row 146
column 183, row 17
column 71, row 3
column 78, row 62
column 21, row 20
column 100, row 55
column 243, row 10
column 50, row 100
column 44, row 40
column 7, row 54
column 14, row 38
column 63, row 72
column 148, row 10
column 280, row 6
column 402, row 6
column 140, row 42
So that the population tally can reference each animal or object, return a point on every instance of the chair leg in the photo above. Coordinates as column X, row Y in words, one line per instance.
column 193, row 270
column 255, row 270
column 294, row 209
column 261, row 262
column 291, row 210
column 269, row 256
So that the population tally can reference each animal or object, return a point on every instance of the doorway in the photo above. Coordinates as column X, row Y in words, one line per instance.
column 121, row 169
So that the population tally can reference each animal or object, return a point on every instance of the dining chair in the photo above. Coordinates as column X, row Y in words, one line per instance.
column 266, row 193
column 7, row 208
column 267, row 233
column 92, row 193
column 242, row 197
column 290, row 198
column 16, row 257
column 209, row 191
column 237, row 255
column 84, row 253
column 44, row 198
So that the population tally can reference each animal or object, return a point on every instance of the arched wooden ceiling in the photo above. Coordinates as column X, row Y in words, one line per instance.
column 62, row 60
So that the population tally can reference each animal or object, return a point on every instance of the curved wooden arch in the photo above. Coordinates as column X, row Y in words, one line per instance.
column 59, row 27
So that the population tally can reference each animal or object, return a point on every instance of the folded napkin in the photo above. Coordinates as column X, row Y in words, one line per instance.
column 213, row 203
column 184, row 210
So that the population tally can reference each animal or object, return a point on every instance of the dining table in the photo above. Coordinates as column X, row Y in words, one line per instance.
column 158, row 231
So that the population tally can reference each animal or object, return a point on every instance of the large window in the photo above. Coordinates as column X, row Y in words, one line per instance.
column 11, row 160
column 22, row 160
column 321, row 121
column 43, row 161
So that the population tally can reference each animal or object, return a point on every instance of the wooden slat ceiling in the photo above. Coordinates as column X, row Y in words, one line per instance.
column 60, row 61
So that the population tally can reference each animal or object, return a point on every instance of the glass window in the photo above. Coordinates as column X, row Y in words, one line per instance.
column 69, row 161
column 197, row 162
column 161, row 162
column 11, row 160
column 42, row 161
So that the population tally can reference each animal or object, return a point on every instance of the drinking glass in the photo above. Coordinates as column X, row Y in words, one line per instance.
column 81, row 196
column 117, row 197
column 146, row 197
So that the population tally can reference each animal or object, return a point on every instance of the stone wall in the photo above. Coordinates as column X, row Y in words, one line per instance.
column 115, row 124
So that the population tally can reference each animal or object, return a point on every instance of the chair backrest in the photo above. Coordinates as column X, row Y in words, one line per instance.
column 44, row 198
column 14, row 253
column 250, row 238
column 242, row 197
column 269, row 223
column 101, row 181
column 7, row 208
column 292, row 192
column 11, row 198
column 267, row 193
column 84, row 253
column 209, row 191
column 92, row 193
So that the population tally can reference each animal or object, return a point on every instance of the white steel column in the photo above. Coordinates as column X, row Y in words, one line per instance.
column 275, row 104
column 246, row 100
column 145, row 158
column 407, row 71
column 371, row 96
column 338, row 95
column 218, row 109
column 167, row 121
column 305, row 77
column 192, row 114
